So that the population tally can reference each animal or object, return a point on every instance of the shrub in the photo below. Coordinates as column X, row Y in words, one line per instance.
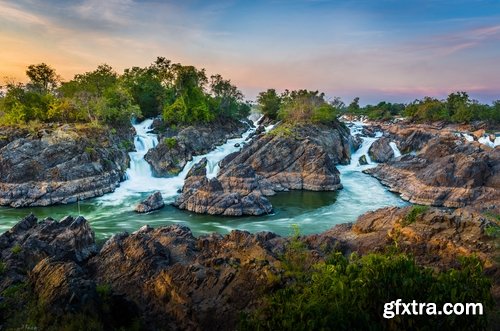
column 16, row 249
column 170, row 142
column 349, row 294
column 412, row 215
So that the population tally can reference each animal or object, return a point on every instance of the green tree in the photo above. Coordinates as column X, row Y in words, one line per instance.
column 43, row 78
column 269, row 103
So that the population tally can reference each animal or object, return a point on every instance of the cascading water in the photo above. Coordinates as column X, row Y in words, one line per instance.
column 395, row 149
column 140, row 179
column 313, row 212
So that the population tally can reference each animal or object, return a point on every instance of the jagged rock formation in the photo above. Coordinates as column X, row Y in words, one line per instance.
column 168, row 279
column 153, row 202
column 447, row 172
column 176, row 148
column 216, row 196
column 60, row 165
column 302, row 160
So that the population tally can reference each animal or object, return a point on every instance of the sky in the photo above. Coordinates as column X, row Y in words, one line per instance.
column 376, row 49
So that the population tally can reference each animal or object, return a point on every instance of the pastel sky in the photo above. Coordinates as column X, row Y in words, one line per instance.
column 393, row 50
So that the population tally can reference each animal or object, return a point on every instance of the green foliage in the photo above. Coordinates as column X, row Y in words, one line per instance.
column 16, row 249
column 43, row 78
column 349, row 294
column 304, row 106
column 170, row 142
column 284, row 130
column 3, row 268
column 269, row 103
column 412, row 215
column 104, row 97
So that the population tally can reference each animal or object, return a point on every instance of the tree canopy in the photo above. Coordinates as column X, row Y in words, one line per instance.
column 181, row 94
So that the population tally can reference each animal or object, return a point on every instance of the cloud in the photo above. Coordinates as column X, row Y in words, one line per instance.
column 113, row 12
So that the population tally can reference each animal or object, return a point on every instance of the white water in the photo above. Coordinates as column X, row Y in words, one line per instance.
column 395, row 149
column 485, row 139
column 140, row 177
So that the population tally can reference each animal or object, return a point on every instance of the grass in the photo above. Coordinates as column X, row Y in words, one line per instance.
column 412, row 215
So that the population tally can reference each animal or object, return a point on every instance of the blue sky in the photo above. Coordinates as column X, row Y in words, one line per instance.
column 378, row 50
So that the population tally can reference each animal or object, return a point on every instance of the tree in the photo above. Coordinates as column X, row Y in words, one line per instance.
column 353, row 106
column 95, row 82
column 43, row 78
column 269, row 103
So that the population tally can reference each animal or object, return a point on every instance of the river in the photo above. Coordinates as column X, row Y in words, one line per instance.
column 312, row 212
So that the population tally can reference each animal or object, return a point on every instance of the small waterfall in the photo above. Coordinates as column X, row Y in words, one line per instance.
column 356, row 128
column 395, row 149
column 143, row 142
column 140, row 178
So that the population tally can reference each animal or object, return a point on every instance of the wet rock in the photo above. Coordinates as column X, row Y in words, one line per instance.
column 190, row 141
column 362, row 160
column 61, row 165
column 236, row 194
column 153, row 202
column 271, row 163
column 447, row 172
column 381, row 150
column 237, row 145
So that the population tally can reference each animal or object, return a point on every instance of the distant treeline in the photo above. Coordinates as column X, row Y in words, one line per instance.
column 311, row 106
column 181, row 94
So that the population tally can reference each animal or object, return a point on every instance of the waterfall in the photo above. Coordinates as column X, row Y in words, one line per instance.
column 140, row 179
column 357, row 128
column 395, row 149
column 143, row 142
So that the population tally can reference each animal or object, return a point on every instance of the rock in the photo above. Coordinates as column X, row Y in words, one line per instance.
column 61, row 165
column 492, row 137
column 478, row 134
column 236, row 194
column 237, row 145
column 381, row 150
column 447, row 172
column 357, row 141
column 362, row 160
column 153, row 202
column 191, row 141
column 168, row 279
column 435, row 238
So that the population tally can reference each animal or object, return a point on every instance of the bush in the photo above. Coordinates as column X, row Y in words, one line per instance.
column 412, row 215
column 349, row 294
column 170, row 142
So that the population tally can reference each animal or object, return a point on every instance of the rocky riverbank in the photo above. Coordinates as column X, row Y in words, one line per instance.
column 167, row 278
column 440, row 168
column 177, row 146
column 60, row 164
column 302, row 157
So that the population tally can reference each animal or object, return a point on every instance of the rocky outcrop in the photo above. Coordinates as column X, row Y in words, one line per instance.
column 153, row 202
column 447, row 172
column 165, row 278
column 177, row 147
column 60, row 165
column 435, row 237
column 235, row 194
column 302, row 159
column 381, row 150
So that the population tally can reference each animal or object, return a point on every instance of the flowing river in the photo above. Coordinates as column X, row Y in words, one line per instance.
column 312, row 212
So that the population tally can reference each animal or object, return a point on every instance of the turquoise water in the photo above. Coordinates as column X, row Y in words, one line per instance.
column 312, row 212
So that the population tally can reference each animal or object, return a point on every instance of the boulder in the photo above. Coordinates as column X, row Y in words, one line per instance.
column 362, row 160
column 381, row 150
column 153, row 202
